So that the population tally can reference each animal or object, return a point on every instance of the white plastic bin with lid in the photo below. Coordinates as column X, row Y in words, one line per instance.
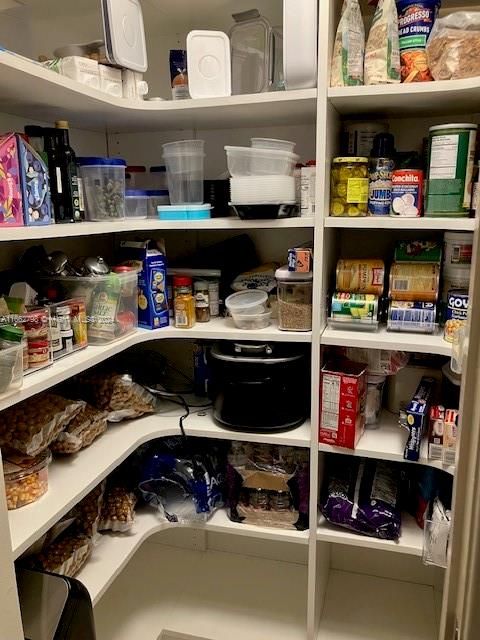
column 248, row 161
column 273, row 143
column 156, row 198
column 209, row 66
column 136, row 203
column 249, row 309
column 185, row 170
column 294, row 293
column 458, row 249
column 104, row 188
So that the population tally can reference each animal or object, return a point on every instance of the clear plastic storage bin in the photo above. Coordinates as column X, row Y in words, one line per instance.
column 156, row 198
column 294, row 292
column 136, row 203
column 68, row 327
column 273, row 143
column 248, row 161
column 185, row 171
column 111, row 303
column 104, row 187
column 11, row 366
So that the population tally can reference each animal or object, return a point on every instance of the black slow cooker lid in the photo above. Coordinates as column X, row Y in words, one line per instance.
column 257, row 352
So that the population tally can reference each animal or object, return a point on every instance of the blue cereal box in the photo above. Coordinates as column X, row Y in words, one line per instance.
column 152, row 281
column 416, row 418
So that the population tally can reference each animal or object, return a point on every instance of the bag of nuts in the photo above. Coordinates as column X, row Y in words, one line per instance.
column 88, row 511
column 81, row 431
column 66, row 555
column 118, row 511
column 117, row 394
column 32, row 425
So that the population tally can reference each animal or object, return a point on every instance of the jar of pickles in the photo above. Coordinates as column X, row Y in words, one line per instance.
column 349, row 187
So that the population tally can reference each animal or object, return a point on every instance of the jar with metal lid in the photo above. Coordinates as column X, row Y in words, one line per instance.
column 294, row 293
column 202, row 301
column 183, row 303
column 349, row 187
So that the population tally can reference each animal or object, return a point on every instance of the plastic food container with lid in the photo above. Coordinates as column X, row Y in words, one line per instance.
column 158, row 177
column 185, row 170
column 349, row 187
column 136, row 177
column 251, row 39
column 11, row 358
column 26, row 478
column 249, row 161
column 136, row 203
column 104, row 187
column 249, row 309
column 184, row 212
column 272, row 143
column 294, row 293
column 156, row 198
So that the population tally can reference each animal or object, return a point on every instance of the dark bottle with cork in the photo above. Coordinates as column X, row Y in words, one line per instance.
column 62, row 166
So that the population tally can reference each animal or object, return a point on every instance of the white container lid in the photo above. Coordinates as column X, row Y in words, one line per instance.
column 209, row 66
column 293, row 276
column 125, row 34
column 244, row 300
column 454, row 125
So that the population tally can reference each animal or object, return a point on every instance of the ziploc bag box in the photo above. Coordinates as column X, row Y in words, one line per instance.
column 416, row 416
column 24, row 184
column 150, row 257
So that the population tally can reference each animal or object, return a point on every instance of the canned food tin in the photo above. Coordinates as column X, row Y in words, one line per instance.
column 407, row 193
column 450, row 169
column 361, row 276
column 412, row 316
column 357, row 307
column 414, row 282
column 457, row 310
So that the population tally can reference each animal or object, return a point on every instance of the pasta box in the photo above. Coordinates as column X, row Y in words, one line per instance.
column 150, row 257
column 343, row 392
column 24, row 184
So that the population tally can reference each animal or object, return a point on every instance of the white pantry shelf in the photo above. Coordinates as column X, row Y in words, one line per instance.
column 31, row 91
column 126, row 226
column 446, row 97
column 410, row 541
column 113, row 551
column 72, row 477
column 386, row 443
column 361, row 606
column 383, row 339
column 396, row 222
column 216, row 329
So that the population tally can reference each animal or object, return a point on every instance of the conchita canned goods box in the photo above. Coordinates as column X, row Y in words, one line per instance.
column 450, row 170
column 457, row 311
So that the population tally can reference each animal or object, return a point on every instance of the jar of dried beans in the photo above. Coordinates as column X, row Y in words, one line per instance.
column 294, row 292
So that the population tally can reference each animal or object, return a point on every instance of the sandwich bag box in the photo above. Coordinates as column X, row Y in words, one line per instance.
column 149, row 257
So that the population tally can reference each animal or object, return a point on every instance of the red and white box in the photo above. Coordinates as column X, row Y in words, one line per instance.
column 450, row 436
column 343, row 392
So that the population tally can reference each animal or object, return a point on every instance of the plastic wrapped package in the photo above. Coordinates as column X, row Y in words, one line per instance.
column 87, row 512
column 379, row 361
column 87, row 425
column 362, row 495
column 437, row 535
column 118, row 510
column 117, row 394
column 349, row 47
column 382, row 55
column 184, row 481
column 268, row 485
column 32, row 425
column 453, row 49
column 66, row 555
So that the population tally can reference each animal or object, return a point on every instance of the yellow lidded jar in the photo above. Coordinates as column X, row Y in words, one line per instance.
column 349, row 187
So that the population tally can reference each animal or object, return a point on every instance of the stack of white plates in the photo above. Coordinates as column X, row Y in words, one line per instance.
column 275, row 189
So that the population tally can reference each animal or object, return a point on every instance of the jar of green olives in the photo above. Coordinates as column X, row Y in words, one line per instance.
column 349, row 187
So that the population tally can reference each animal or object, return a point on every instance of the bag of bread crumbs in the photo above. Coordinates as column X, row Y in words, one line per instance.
column 382, row 53
column 349, row 47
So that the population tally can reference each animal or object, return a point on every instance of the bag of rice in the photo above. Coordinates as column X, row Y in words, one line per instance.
column 382, row 54
column 349, row 47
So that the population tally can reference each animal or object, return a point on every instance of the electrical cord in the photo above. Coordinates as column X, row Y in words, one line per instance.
column 177, row 398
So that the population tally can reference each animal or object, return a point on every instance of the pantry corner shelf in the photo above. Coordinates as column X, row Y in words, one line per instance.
column 386, row 443
column 445, row 97
column 216, row 329
column 397, row 222
column 72, row 477
column 390, row 340
column 34, row 92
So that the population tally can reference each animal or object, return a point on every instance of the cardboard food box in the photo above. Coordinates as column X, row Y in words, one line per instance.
column 416, row 416
column 24, row 184
column 343, row 392
column 436, row 432
column 149, row 255
column 450, row 436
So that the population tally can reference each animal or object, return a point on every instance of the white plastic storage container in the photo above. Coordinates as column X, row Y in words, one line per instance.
column 104, row 188
column 124, row 34
column 111, row 302
column 247, row 161
column 272, row 143
column 262, row 190
column 209, row 65
column 136, row 203
column 251, row 41
column 300, row 44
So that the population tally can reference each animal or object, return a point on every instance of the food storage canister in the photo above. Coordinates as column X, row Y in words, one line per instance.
column 26, row 478
column 104, row 188
column 294, row 293
column 185, row 170
column 249, row 161
column 251, row 301
column 11, row 358
column 158, row 177
column 156, row 198
column 251, row 43
column 202, row 301
column 136, row 203
column 455, row 277
column 349, row 187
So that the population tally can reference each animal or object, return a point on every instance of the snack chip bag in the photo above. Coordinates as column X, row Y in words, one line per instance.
column 349, row 47
column 382, row 56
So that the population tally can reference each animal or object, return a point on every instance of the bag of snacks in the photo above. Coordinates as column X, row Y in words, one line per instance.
column 87, row 512
column 415, row 23
column 65, row 556
column 118, row 510
column 382, row 55
column 349, row 47
column 32, row 425
column 453, row 49
column 82, row 431
column 379, row 361
column 117, row 394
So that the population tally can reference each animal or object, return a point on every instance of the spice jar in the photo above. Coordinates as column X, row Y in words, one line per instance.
column 38, row 353
column 349, row 187
column 63, row 318
column 184, row 303
column 214, row 298
column 294, row 293
column 202, row 301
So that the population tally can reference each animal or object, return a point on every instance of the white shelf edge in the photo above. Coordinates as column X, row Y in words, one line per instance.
column 216, row 329
column 434, row 89
column 410, row 541
column 387, row 222
column 113, row 552
column 72, row 477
